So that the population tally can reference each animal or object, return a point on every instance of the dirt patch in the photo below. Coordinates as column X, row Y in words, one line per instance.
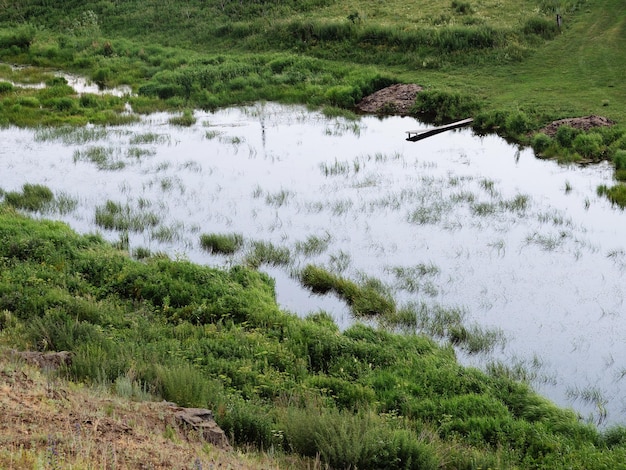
column 395, row 99
column 55, row 424
column 584, row 123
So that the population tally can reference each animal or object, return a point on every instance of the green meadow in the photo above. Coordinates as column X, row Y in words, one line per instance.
column 367, row 397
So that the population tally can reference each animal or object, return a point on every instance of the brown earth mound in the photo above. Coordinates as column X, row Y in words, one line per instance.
column 395, row 99
column 583, row 123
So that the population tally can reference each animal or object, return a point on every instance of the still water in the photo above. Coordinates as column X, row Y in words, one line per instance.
column 520, row 245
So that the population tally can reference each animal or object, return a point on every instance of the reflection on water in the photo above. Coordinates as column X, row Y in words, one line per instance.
column 517, row 243
column 80, row 84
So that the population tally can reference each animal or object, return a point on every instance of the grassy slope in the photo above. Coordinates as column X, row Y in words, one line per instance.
column 580, row 72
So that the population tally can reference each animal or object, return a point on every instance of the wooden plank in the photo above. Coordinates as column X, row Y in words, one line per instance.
column 414, row 136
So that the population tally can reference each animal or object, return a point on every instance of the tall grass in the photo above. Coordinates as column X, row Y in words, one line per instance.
column 225, row 244
column 34, row 197
column 115, row 216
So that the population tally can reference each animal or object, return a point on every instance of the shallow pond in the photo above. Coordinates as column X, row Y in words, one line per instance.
column 516, row 244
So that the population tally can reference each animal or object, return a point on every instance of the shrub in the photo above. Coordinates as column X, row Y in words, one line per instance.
column 184, row 385
column 247, row 422
column 565, row 136
column 225, row 244
column 444, row 106
column 6, row 87
column 63, row 104
column 588, row 144
column 343, row 96
column 540, row 143
column 619, row 159
column 20, row 38
column 518, row 124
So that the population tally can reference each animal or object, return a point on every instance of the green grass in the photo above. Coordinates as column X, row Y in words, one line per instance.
column 34, row 197
column 115, row 216
column 225, row 244
column 215, row 338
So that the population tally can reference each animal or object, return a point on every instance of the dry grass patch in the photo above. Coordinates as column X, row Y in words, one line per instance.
column 50, row 423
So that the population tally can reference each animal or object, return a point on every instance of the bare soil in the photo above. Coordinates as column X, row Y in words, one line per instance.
column 396, row 99
column 584, row 123
column 50, row 423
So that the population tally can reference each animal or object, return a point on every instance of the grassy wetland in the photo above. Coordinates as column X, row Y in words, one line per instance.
column 388, row 262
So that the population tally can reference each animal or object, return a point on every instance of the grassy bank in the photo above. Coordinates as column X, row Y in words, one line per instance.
column 205, row 337
column 362, row 397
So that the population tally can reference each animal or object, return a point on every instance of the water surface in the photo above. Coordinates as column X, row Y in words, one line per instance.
column 518, row 244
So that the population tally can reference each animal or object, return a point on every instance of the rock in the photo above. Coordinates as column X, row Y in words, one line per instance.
column 201, row 420
column 49, row 360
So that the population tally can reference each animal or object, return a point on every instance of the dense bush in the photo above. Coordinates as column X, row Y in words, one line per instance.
column 444, row 106
column 540, row 143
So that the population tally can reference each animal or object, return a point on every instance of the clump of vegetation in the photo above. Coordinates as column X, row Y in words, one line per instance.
column 225, row 244
column 619, row 160
column 463, row 8
column 365, row 300
column 442, row 106
column 103, row 157
column 186, row 119
column 616, row 194
column 33, row 197
column 115, row 216
column 267, row 253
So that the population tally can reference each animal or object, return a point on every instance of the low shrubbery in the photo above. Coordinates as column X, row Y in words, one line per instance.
column 200, row 336
column 443, row 106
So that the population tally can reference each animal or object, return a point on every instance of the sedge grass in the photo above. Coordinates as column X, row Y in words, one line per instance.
column 225, row 244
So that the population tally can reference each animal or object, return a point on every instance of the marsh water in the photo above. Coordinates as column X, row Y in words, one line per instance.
column 519, row 245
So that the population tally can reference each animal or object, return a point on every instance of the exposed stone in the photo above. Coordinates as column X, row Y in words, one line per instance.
column 201, row 420
column 49, row 360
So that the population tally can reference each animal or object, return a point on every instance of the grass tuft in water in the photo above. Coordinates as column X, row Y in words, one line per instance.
column 267, row 253
column 279, row 199
column 186, row 119
column 103, row 157
column 411, row 279
column 115, row 216
column 225, row 244
column 369, row 298
column 167, row 234
column 150, row 138
column 71, row 135
column 33, row 197
column 314, row 245
column 616, row 194
column 446, row 323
